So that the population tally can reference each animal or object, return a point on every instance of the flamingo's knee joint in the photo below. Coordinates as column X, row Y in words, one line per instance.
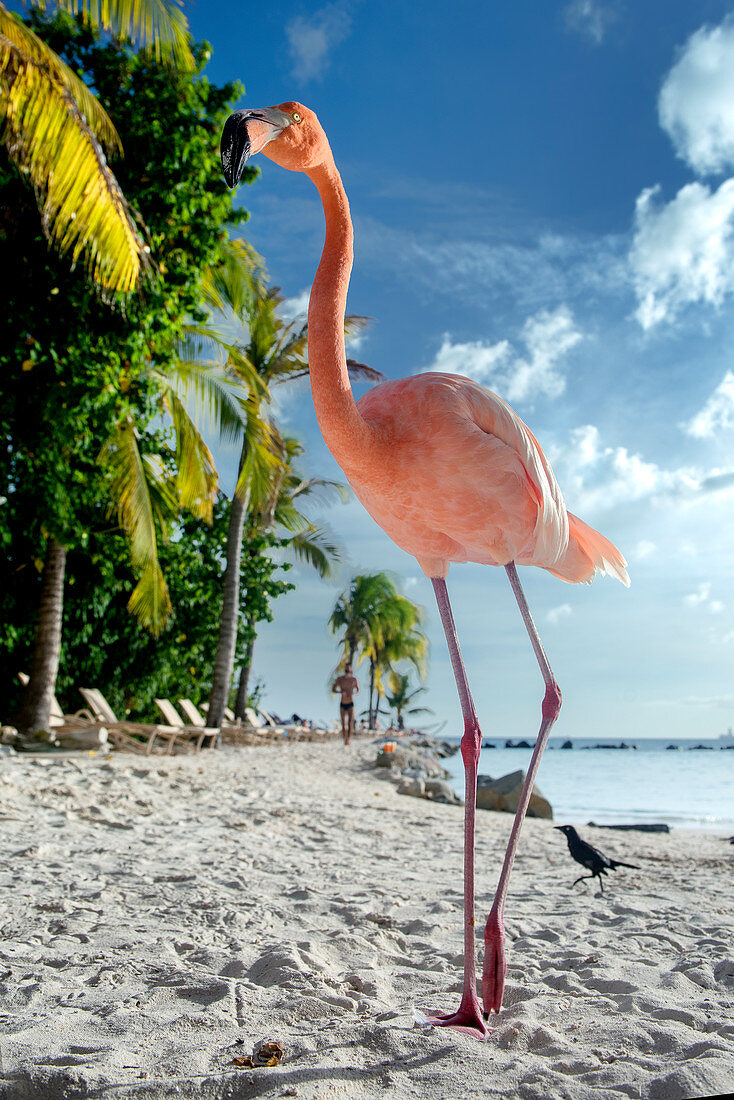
column 552, row 701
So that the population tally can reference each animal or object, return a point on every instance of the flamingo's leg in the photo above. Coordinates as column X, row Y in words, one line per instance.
column 495, row 963
column 468, row 1017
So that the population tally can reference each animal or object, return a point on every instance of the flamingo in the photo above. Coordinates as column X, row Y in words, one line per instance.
column 450, row 473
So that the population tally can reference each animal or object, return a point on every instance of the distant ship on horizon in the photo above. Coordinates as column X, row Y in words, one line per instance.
column 728, row 736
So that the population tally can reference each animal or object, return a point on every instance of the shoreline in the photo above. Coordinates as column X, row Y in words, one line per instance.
column 163, row 915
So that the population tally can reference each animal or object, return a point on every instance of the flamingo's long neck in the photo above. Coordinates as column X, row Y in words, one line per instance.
column 349, row 438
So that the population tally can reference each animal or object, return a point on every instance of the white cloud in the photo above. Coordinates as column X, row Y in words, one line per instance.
column 312, row 38
column 596, row 478
column 696, row 104
column 590, row 17
column 292, row 308
column 702, row 598
column 548, row 336
column 683, row 251
column 717, row 413
column 475, row 359
column 555, row 615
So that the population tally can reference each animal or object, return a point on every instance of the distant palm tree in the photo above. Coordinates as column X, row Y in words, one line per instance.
column 400, row 697
column 58, row 133
column 356, row 612
column 276, row 352
column 397, row 638
column 380, row 625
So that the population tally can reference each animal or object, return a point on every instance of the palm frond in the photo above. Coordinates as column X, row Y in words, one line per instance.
column 314, row 547
column 360, row 372
column 196, row 475
column 322, row 489
column 354, row 324
column 129, row 485
column 241, row 365
column 208, row 392
column 159, row 25
column 231, row 285
column 53, row 129
column 150, row 601
column 260, row 460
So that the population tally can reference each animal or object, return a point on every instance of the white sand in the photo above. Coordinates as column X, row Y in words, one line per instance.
column 162, row 916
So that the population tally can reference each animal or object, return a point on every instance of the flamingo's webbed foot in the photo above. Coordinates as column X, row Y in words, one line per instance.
column 468, row 1019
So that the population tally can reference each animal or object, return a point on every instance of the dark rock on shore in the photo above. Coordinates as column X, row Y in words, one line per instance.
column 643, row 827
column 504, row 794
column 417, row 771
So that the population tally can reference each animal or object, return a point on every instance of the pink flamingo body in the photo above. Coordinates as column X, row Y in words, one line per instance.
column 464, row 480
column 451, row 474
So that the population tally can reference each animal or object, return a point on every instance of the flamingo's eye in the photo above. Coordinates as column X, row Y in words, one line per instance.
column 296, row 117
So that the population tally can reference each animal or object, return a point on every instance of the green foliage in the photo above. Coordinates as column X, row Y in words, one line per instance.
column 104, row 647
column 72, row 369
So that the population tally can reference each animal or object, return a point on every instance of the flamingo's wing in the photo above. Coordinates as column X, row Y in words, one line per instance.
column 495, row 417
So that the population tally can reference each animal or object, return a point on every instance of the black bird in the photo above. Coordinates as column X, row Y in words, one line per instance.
column 590, row 857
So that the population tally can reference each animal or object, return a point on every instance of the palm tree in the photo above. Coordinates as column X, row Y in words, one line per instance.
column 147, row 490
column 400, row 697
column 276, row 351
column 397, row 638
column 355, row 612
column 59, row 135
column 381, row 625
column 307, row 543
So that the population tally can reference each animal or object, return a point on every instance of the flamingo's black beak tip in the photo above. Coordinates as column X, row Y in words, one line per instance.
column 485, row 1016
column 234, row 147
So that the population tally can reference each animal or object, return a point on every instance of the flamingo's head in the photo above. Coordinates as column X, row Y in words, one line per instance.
column 290, row 135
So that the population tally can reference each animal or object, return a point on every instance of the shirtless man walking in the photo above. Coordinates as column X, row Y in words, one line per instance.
column 348, row 687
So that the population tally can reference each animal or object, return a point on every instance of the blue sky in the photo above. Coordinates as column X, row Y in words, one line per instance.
column 543, row 199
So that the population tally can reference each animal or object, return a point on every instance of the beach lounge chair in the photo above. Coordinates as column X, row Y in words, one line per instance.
column 71, row 731
column 127, row 736
column 196, row 733
column 58, row 718
column 235, row 733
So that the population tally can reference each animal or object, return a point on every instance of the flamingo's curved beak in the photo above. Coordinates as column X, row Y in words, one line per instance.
column 246, row 133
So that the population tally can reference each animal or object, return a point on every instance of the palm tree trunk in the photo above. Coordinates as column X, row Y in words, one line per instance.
column 35, row 711
column 224, row 659
column 242, row 690
column 372, row 692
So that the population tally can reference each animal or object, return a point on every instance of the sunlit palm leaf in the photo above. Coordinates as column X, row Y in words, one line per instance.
column 206, row 391
column 150, row 601
column 130, row 491
column 196, row 474
column 158, row 24
column 261, row 458
column 232, row 285
column 53, row 129
column 240, row 363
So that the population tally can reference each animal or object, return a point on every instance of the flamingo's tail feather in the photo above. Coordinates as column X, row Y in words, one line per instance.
column 589, row 553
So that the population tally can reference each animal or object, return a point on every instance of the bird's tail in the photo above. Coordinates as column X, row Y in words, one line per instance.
column 589, row 552
column 615, row 863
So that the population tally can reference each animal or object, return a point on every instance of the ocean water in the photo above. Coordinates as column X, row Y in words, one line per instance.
column 686, row 788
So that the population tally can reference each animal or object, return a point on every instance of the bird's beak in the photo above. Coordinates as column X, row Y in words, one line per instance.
column 246, row 133
column 559, row 827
